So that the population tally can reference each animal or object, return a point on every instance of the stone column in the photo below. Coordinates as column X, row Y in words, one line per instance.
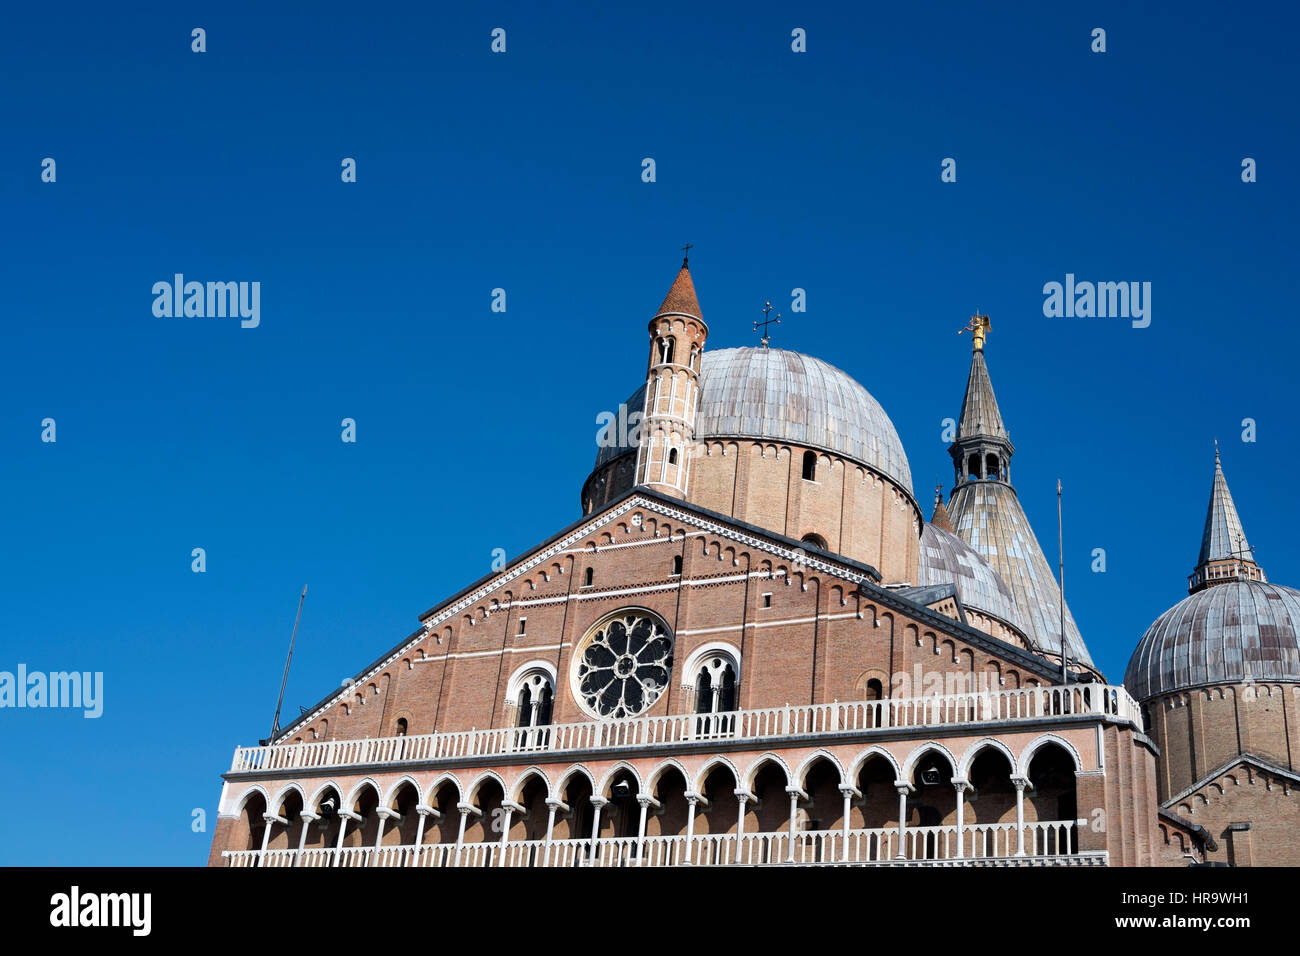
column 344, row 817
column 308, row 818
column 269, row 819
column 384, row 813
column 424, row 813
column 795, row 794
column 961, row 786
column 552, row 805
column 465, row 810
column 1020, row 783
column 511, row 807
column 599, row 803
column 849, row 793
column 742, row 799
column 692, row 799
column 646, row 803
column 903, row 788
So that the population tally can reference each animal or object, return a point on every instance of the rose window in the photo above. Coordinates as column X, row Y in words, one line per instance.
column 625, row 666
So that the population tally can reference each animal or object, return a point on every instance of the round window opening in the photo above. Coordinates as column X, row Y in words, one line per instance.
column 624, row 665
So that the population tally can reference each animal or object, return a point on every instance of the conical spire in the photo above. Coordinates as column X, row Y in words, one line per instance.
column 1225, row 552
column 979, row 409
column 987, row 513
column 982, row 448
column 940, row 517
column 681, row 297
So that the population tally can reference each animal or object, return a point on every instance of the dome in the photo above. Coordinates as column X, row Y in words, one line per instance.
column 1220, row 635
column 987, row 514
column 947, row 559
column 773, row 394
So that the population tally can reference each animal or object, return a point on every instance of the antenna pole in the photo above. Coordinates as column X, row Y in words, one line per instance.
column 275, row 724
column 1060, row 544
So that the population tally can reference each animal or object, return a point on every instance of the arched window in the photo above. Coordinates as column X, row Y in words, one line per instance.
column 715, row 694
column 991, row 469
column 401, row 726
column 810, row 466
column 973, row 466
column 875, row 690
column 588, row 577
column 677, row 565
column 672, row 456
column 665, row 351
column 816, row 540
column 536, row 698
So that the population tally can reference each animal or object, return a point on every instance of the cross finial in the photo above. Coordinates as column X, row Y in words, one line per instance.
column 938, row 494
column 1216, row 451
column 767, row 320
column 686, row 253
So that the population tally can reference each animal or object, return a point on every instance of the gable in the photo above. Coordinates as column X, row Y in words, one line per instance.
column 629, row 547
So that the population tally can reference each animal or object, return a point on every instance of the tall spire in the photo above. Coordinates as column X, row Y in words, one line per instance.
column 986, row 512
column 979, row 409
column 982, row 448
column 1225, row 555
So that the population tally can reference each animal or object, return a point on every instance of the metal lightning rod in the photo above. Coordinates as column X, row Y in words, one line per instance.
column 1060, row 543
column 275, row 724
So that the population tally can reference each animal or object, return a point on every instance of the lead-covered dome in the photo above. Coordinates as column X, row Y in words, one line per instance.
column 778, row 395
column 1221, row 635
column 947, row 559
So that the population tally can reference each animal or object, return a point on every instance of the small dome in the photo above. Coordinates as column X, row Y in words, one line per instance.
column 1221, row 635
column 947, row 559
column 773, row 394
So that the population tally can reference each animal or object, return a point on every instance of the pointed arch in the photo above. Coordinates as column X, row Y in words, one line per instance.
column 248, row 794
column 481, row 779
column 875, row 750
column 656, row 775
column 758, row 763
column 1037, row 744
column 431, row 792
column 717, row 760
column 319, row 795
column 397, row 785
column 930, row 746
column 577, row 770
column 521, row 781
column 355, row 794
column 973, row 751
column 801, row 774
column 274, row 806
column 610, row 775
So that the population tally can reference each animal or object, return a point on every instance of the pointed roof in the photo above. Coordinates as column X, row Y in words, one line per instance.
column 979, row 409
column 940, row 517
column 681, row 297
column 1224, row 538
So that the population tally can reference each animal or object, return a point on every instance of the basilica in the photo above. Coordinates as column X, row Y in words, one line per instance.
column 753, row 648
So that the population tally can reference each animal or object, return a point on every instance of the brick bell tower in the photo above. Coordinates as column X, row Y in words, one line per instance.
column 672, row 391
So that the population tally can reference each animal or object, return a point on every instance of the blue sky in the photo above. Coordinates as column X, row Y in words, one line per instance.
column 476, row 429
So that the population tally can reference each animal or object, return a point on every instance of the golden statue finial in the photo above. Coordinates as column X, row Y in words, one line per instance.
column 979, row 327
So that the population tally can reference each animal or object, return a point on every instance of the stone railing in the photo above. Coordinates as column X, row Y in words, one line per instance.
column 1049, row 843
column 1027, row 703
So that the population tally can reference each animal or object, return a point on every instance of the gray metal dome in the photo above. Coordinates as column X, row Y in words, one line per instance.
column 1221, row 635
column 773, row 394
column 947, row 559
